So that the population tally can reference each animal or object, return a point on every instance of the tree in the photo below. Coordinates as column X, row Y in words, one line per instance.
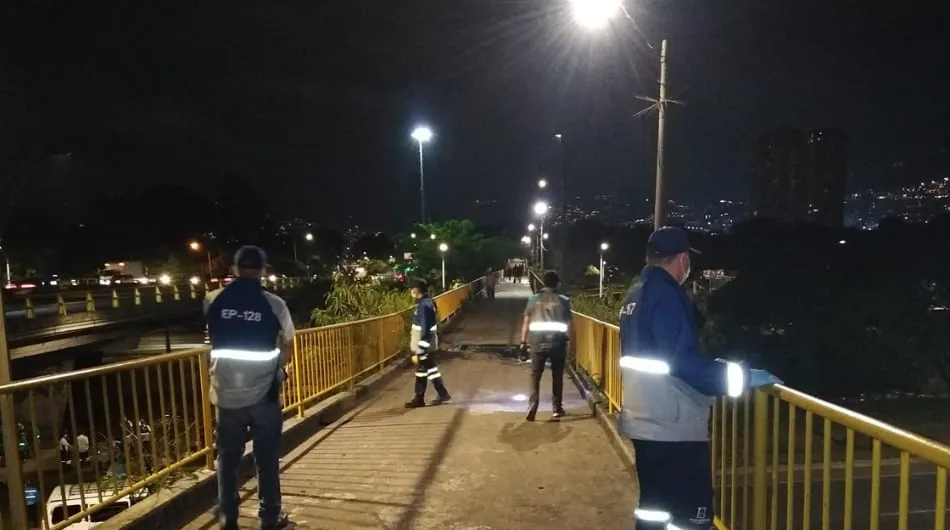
column 470, row 254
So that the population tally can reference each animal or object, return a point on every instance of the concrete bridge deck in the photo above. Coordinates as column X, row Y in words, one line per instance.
column 473, row 464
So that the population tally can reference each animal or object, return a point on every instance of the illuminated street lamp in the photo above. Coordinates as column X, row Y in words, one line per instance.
column 443, row 248
column 531, row 227
column 432, row 237
column 412, row 235
column 603, row 248
column 307, row 237
column 196, row 246
column 526, row 240
column 540, row 209
column 542, row 184
column 595, row 15
column 421, row 135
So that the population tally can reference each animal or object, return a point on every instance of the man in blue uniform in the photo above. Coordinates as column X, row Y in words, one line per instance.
column 252, row 336
column 422, row 344
column 668, row 389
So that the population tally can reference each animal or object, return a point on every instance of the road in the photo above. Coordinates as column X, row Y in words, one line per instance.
column 921, row 498
column 45, row 304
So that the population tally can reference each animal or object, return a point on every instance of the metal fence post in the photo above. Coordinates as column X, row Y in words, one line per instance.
column 204, row 376
column 759, row 453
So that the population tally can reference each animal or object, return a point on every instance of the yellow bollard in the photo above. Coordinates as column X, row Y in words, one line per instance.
column 138, row 296
column 115, row 299
column 60, row 305
column 177, row 296
column 90, row 303
column 30, row 312
column 191, row 289
column 158, row 294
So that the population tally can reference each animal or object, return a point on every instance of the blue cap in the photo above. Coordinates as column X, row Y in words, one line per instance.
column 668, row 241
column 250, row 257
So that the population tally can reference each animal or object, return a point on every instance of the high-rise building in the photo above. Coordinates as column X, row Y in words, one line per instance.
column 800, row 176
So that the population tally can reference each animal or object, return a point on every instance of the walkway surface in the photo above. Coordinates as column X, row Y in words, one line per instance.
column 474, row 464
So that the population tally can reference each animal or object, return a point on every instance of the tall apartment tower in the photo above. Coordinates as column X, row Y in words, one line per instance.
column 800, row 177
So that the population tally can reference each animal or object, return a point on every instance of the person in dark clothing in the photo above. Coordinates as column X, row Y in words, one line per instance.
column 422, row 341
column 546, row 329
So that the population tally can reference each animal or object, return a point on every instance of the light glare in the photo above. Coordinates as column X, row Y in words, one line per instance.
column 594, row 14
column 443, row 247
column 604, row 246
column 541, row 208
column 422, row 134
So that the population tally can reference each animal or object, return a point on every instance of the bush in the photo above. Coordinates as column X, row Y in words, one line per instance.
column 348, row 300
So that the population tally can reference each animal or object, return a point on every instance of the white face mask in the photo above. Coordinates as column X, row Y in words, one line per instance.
column 687, row 270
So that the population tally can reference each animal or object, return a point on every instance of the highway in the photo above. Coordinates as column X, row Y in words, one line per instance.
column 45, row 303
column 921, row 498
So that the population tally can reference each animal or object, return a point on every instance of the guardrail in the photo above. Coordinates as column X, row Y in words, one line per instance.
column 150, row 421
column 67, row 302
column 770, row 446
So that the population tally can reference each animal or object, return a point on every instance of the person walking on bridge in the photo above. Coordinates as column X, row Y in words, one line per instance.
column 422, row 344
column 546, row 328
column 668, row 390
column 252, row 339
column 490, row 281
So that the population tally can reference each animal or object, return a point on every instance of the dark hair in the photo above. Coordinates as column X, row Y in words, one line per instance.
column 550, row 279
column 421, row 285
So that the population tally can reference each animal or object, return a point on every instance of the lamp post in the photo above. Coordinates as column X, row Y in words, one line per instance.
column 196, row 246
column 526, row 241
column 603, row 248
column 531, row 229
column 542, row 184
column 421, row 135
column 443, row 248
column 307, row 237
column 595, row 15
column 540, row 209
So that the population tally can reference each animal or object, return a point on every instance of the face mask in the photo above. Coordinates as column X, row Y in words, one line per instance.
column 687, row 268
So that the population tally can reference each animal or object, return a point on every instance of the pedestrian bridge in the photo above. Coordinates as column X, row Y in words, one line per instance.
column 357, row 459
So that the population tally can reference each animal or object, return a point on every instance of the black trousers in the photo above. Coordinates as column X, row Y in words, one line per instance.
column 427, row 371
column 490, row 292
column 675, row 482
column 558, row 357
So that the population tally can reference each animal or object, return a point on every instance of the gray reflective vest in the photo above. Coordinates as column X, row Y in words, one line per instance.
column 548, row 321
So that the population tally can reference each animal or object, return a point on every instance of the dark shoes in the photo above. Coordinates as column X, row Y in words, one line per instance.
column 415, row 403
column 283, row 521
column 442, row 399
column 532, row 412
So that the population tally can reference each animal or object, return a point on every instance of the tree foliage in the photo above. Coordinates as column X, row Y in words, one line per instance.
column 349, row 300
column 470, row 253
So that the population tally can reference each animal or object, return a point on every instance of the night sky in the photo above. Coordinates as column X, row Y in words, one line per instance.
column 311, row 103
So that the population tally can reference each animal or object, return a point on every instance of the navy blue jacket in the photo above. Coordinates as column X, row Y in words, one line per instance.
column 668, row 382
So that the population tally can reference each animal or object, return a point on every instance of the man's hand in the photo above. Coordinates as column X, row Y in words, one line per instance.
column 523, row 351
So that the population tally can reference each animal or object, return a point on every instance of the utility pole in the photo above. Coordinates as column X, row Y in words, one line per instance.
column 422, row 185
column 659, row 207
column 9, row 425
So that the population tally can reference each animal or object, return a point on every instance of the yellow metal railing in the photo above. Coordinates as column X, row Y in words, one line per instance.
column 70, row 301
column 150, row 421
column 846, row 470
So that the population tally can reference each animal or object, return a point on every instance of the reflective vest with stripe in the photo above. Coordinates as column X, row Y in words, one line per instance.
column 548, row 321
column 243, row 330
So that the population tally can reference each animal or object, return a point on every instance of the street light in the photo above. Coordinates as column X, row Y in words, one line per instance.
column 307, row 237
column 603, row 248
column 443, row 248
column 594, row 14
column 542, row 184
column 531, row 227
column 412, row 235
column 196, row 246
column 432, row 237
column 540, row 209
column 421, row 135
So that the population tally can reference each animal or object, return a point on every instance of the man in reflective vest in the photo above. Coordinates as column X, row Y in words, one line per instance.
column 668, row 389
column 251, row 335
column 546, row 328
column 423, row 344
